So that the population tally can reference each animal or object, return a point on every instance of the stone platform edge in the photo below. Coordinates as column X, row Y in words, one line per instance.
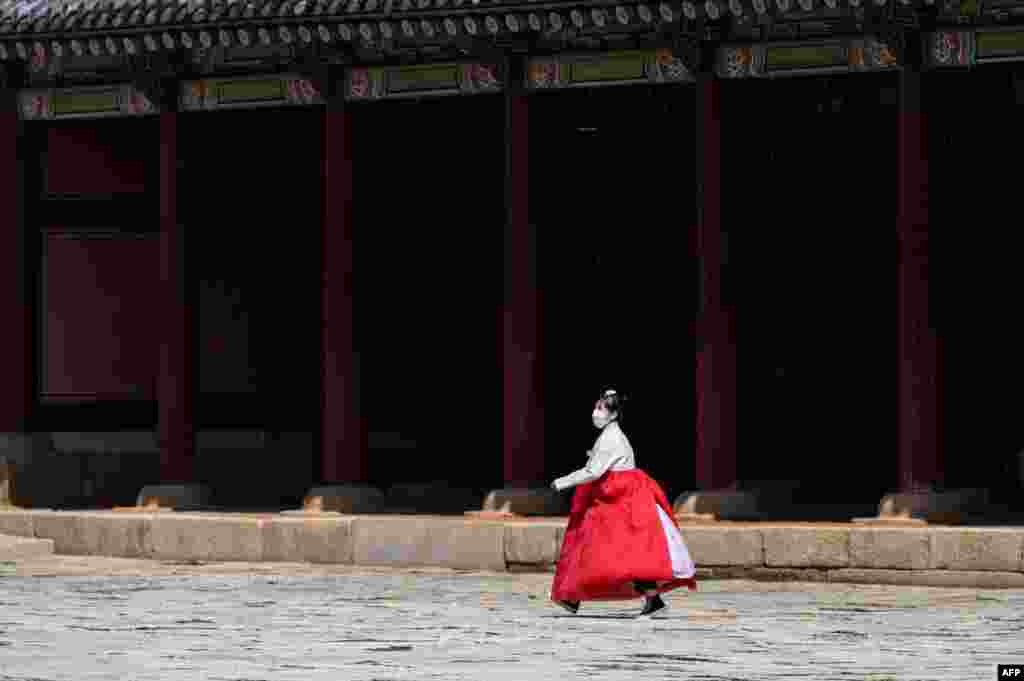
column 937, row 556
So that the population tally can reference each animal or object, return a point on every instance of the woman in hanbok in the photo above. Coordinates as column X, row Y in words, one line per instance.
column 622, row 541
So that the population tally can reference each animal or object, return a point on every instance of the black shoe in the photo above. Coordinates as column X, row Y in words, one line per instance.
column 652, row 605
column 642, row 586
column 571, row 606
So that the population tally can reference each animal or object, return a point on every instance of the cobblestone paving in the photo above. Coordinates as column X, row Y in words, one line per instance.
column 86, row 618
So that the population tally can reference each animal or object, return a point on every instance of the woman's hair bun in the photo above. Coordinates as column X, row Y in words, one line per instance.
column 614, row 394
column 614, row 401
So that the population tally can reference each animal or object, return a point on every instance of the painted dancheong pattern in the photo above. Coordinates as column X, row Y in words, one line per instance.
column 95, row 102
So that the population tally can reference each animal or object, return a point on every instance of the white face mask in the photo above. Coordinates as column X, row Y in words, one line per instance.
column 600, row 418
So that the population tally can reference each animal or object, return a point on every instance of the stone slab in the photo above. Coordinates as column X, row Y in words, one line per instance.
column 474, row 546
column 973, row 549
column 206, row 538
column 429, row 541
column 500, row 516
column 531, row 544
column 890, row 521
column 310, row 540
column 806, row 547
column 96, row 534
column 768, row 574
column 890, row 548
column 980, row 579
column 120, row 536
column 63, row 530
column 695, row 518
column 22, row 548
column 724, row 546
column 18, row 522
column 390, row 541
column 526, row 568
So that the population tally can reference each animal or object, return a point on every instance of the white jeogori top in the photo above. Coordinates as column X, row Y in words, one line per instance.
column 611, row 452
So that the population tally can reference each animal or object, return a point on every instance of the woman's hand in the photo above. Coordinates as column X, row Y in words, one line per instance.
column 554, row 485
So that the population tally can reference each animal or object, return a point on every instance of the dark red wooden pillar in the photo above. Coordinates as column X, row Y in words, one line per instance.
column 176, row 381
column 344, row 457
column 523, row 425
column 16, row 338
column 716, row 347
column 919, row 460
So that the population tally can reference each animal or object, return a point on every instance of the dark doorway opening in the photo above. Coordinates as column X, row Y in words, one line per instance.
column 249, row 201
column 429, row 213
column 612, row 196
column 810, row 200
column 976, row 246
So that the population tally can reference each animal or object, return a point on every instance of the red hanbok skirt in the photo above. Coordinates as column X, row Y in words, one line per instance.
column 615, row 536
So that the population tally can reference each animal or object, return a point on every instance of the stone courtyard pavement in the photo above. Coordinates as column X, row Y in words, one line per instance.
column 82, row 618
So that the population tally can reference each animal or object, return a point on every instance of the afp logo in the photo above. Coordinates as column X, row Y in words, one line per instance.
column 1010, row 671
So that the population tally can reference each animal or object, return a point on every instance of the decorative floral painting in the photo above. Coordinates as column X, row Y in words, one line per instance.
column 952, row 48
column 36, row 104
column 137, row 103
column 666, row 67
column 659, row 66
column 301, row 91
column 544, row 73
column 364, row 83
column 39, row 104
column 870, row 54
column 740, row 62
column 480, row 78
column 195, row 95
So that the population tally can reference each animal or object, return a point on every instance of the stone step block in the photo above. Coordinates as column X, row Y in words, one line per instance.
column 22, row 548
column 806, row 547
column 410, row 541
column 714, row 545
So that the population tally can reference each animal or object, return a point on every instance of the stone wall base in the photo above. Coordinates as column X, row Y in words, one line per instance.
column 979, row 557
column 22, row 548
